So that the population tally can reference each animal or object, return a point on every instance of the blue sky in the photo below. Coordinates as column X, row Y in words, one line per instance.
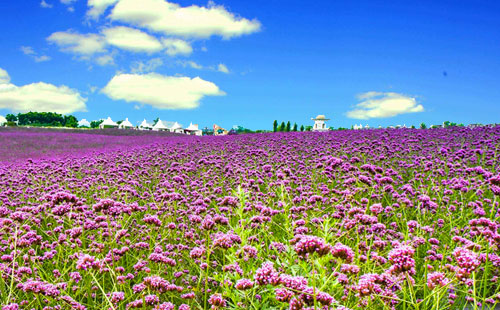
column 250, row 62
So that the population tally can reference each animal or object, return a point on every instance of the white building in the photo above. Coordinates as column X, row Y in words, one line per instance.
column 357, row 127
column 193, row 130
column 108, row 123
column 83, row 123
column 177, row 128
column 3, row 120
column 126, row 124
column 159, row 126
column 320, row 123
column 145, row 125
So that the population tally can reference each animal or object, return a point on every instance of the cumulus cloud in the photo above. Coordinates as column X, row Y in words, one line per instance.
column 159, row 91
column 146, row 67
column 191, row 64
column 125, row 38
column 192, row 21
column 176, row 46
column 222, row 68
column 76, row 43
column 381, row 105
column 45, row 5
column 39, row 97
column 28, row 50
column 4, row 77
column 97, row 7
column 131, row 39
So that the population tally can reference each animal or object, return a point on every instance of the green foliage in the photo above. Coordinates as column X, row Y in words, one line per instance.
column 282, row 127
column 275, row 126
column 288, row 126
column 42, row 119
column 11, row 118
column 156, row 121
column 302, row 128
column 423, row 126
column 309, row 128
column 95, row 124
column 294, row 127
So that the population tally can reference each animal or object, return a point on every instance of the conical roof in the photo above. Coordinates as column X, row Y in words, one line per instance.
column 192, row 127
column 145, row 124
column 320, row 117
column 159, row 125
column 108, row 122
column 176, row 126
column 126, row 124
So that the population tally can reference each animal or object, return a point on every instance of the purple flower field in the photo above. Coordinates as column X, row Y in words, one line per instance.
column 371, row 219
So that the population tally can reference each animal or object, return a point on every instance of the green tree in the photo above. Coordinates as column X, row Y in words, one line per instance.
column 294, row 127
column 275, row 126
column 11, row 118
column 423, row 126
column 95, row 124
column 413, row 126
column 282, row 127
column 309, row 128
column 288, row 127
column 156, row 121
column 70, row 121
column 302, row 128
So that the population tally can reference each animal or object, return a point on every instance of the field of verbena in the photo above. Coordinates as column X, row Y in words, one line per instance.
column 377, row 219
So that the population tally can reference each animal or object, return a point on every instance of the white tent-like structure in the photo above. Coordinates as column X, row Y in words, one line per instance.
column 83, row 123
column 3, row 120
column 159, row 126
column 320, row 123
column 126, row 124
column 176, row 127
column 108, row 123
column 145, row 125
column 193, row 130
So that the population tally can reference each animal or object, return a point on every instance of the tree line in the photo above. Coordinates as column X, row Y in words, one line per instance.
column 42, row 119
column 288, row 127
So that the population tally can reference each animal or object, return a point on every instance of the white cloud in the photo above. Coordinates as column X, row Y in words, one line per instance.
column 192, row 21
column 97, row 7
column 42, row 58
column 45, row 5
column 28, row 50
column 222, row 68
column 4, row 77
column 177, row 46
column 105, row 60
column 146, row 67
column 39, row 97
column 131, row 39
column 380, row 105
column 76, row 43
column 67, row 2
column 159, row 91
column 191, row 64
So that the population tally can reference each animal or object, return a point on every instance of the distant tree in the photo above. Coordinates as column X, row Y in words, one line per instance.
column 119, row 122
column 288, row 127
column 302, row 128
column 423, row 126
column 275, row 126
column 309, row 128
column 11, row 118
column 295, row 127
column 95, row 124
column 156, row 121
column 282, row 127
column 413, row 126
column 70, row 121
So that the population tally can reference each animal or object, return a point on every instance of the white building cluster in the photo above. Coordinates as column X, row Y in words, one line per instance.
column 160, row 125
